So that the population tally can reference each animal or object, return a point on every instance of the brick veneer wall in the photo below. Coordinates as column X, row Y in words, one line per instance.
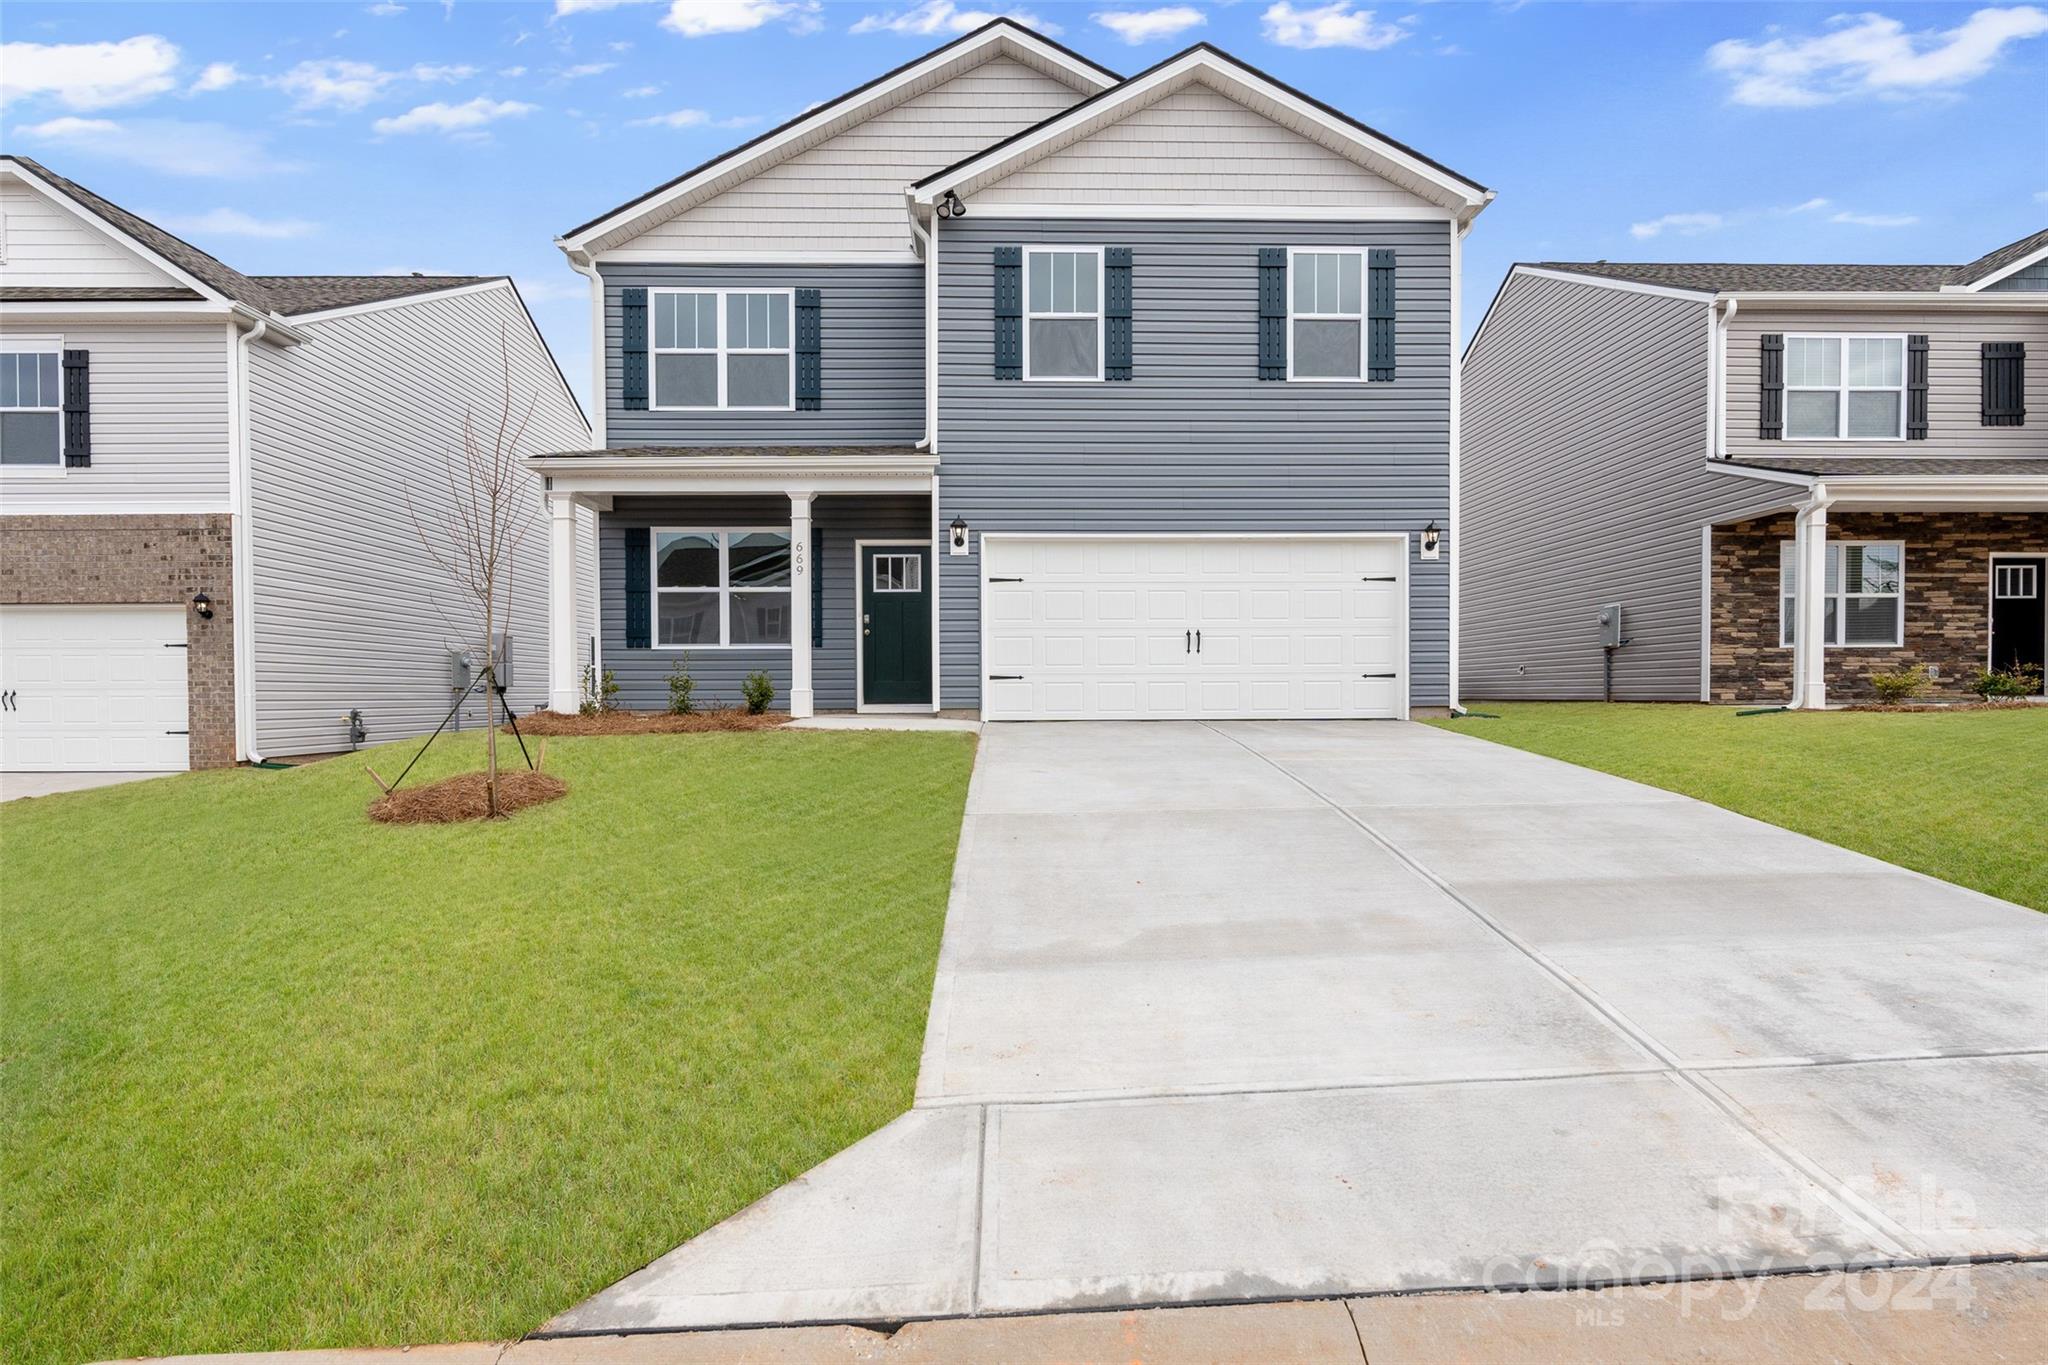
column 1948, row 600
column 106, row 560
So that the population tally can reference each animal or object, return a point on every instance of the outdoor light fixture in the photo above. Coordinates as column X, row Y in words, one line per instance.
column 1431, row 540
column 203, row 605
column 959, row 530
column 951, row 207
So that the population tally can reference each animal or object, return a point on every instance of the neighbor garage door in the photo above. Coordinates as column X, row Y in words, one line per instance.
column 92, row 688
column 1205, row 627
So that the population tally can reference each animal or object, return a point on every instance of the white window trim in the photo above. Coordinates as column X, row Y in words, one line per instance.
column 1837, row 550
column 1844, row 389
column 1101, row 331
column 1364, row 287
column 721, row 351
column 43, row 344
column 724, row 589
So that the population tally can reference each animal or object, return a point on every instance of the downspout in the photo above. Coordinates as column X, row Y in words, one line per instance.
column 1803, row 642
column 241, row 533
column 1456, row 434
column 588, row 269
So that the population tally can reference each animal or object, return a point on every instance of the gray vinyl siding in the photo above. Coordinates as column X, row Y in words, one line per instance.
column 1584, row 481
column 159, row 420
column 2031, row 280
column 872, row 358
column 642, row 674
column 350, row 610
column 1194, row 441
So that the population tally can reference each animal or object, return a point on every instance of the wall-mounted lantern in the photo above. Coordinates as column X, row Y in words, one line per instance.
column 202, row 605
column 959, row 530
column 1432, row 541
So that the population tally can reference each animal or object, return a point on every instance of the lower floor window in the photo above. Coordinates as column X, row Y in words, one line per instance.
column 1865, row 592
column 714, row 589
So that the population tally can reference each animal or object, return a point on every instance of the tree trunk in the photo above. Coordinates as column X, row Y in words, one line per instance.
column 490, row 709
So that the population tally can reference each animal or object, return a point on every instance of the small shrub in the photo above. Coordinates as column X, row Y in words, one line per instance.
column 608, row 692
column 758, row 691
column 2008, row 684
column 1895, row 687
column 586, row 704
column 680, row 688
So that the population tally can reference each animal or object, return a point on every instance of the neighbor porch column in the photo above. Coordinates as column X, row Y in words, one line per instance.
column 564, row 676
column 1810, row 607
column 800, row 571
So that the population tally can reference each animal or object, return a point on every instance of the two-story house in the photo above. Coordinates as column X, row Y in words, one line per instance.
column 220, row 493
column 1787, row 477
column 1006, row 384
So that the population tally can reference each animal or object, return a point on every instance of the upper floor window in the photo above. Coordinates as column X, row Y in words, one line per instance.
column 1845, row 388
column 31, row 404
column 1063, row 313
column 1865, row 591
column 716, row 348
column 1326, row 314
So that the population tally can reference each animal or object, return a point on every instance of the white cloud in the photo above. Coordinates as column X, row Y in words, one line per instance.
column 943, row 16
column 233, row 223
column 641, row 92
column 680, row 118
column 1698, row 224
column 166, row 146
column 217, row 76
column 464, row 118
column 1149, row 25
column 2041, row 196
column 384, row 9
column 434, row 74
column 535, row 289
column 89, row 75
column 567, row 7
column 330, row 84
column 1875, row 220
column 511, row 72
column 1869, row 54
column 1681, row 224
column 1333, row 25
column 701, row 18
column 577, row 73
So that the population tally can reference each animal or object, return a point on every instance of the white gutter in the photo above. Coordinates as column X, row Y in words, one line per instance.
column 930, row 241
column 588, row 269
column 240, row 535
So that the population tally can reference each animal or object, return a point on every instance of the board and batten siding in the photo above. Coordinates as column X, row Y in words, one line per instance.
column 1955, row 340
column 160, row 397
column 1584, row 482
column 48, row 246
column 1195, row 146
column 871, row 357
column 642, row 674
column 350, row 610
column 1194, row 441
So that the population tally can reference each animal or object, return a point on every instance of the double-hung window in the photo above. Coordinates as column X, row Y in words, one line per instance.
column 1845, row 388
column 31, row 404
column 1865, row 592
column 1326, row 314
column 1063, row 313
column 718, row 589
column 719, row 348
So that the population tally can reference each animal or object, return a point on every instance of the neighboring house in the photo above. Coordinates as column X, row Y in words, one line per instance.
column 1009, row 385
column 1731, row 452
column 206, row 552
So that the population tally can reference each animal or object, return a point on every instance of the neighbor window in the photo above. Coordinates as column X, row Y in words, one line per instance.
column 1865, row 592
column 1063, row 313
column 1845, row 388
column 31, row 405
column 1326, row 314
column 717, row 348
column 714, row 589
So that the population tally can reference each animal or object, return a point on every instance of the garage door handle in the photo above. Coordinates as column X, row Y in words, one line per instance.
column 1006, row 677
column 1006, row 580
column 1187, row 642
column 1380, row 578
column 7, row 700
column 1198, row 642
column 1380, row 675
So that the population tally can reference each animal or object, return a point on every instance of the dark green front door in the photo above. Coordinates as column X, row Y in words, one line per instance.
column 895, row 625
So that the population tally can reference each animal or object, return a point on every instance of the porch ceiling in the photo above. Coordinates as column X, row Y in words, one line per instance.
column 1900, row 483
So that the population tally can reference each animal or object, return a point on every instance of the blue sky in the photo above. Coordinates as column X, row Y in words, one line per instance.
column 461, row 137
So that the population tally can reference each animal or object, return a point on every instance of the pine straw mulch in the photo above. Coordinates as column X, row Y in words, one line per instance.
column 466, row 796
column 647, row 722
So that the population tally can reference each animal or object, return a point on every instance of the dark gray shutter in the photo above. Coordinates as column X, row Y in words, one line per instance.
column 77, row 409
column 1770, row 399
column 1009, row 262
column 1116, row 312
column 818, row 587
column 639, row 601
column 2005, row 384
column 1379, row 314
column 633, row 349
column 1272, row 312
column 1916, row 388
column 810, row 337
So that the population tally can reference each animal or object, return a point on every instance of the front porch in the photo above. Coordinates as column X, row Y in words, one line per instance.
column 810, row 566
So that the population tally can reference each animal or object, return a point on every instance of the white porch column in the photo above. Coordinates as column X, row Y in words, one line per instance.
column 800, row 571
column 564, row 667
column 1810, row 604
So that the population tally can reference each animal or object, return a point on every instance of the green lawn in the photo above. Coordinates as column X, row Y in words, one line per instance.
column 1961, row 796
column 276, row 1076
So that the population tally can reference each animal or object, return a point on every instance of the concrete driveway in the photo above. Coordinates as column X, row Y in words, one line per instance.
column 1244, row 1011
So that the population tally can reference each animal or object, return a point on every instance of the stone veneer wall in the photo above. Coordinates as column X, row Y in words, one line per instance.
column 1948, row 600
column 155, row 559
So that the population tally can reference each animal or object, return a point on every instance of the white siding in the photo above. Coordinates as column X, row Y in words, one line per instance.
column 51, row 247
column 159, row 422
column 1196, row 146
column 846, row 194
column 349, row 609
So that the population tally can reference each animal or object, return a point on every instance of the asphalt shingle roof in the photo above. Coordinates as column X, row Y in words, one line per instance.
column 1743, row 277
column 1896, row 466
column 294, row 294
column 36, row 293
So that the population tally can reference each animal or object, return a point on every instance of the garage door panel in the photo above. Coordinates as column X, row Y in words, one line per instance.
column 94, row 688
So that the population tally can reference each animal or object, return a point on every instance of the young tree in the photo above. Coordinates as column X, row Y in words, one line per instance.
column 473, row 529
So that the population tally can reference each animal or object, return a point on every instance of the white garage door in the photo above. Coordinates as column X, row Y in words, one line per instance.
column 1194, row 627
column 93, row 689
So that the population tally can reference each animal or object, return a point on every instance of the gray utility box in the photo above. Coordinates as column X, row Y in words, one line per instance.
column 1610, row 626
column 462, row 663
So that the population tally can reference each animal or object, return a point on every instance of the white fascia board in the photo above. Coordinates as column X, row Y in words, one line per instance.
column 1893, row 299
column 769, row 148
column 661, row 256
column 1975, row 286
column 15, row 170
column 568, row 471
column 1767, row 475
column 1249, row 213
column 403, row 300
column 990, row 164
column 2003, row 492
